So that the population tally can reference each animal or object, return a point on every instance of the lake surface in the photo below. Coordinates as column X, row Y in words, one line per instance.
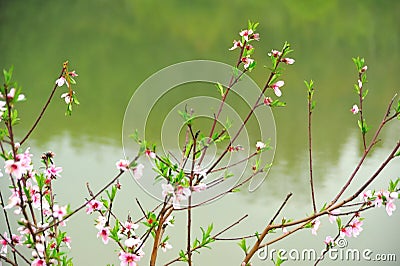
column 114, row 46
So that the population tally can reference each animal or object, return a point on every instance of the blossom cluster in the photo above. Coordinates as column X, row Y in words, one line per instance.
column 179, row 189
column 246, row 49
column 33, row 189
column 13, row 95
column 67, row 78
column 381, row 198
column 123, row 233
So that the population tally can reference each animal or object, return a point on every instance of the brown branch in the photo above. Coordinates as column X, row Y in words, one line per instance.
column 44, row 107
column 261, row 237
column 385, row 120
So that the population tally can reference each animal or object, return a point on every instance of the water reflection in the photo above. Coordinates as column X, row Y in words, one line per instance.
column 114, row 46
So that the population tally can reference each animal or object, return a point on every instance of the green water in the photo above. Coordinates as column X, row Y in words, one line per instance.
column 115, row 45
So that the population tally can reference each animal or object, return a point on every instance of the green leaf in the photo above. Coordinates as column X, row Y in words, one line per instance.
column 8, row 75
column 252, row 66
column 135, row 136
column 309, row 85
column 308, row 225
column 242, row 244
column 279, row 259
column 313, row 104
column 186, row 117
column 339, row 222
column 228, row 123
column 182, row 256
column 393, row 184
column 365, row 92
column 228, row 174
column 220, row 89
column 277, row 103
column 114, row 232
column 363, row 126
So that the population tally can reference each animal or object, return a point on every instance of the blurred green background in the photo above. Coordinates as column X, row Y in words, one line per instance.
column 115, row 45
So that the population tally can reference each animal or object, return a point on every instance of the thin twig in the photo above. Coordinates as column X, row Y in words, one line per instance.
column 310, row 111
column 261, row 237
column 385, row 120
column 44, row 107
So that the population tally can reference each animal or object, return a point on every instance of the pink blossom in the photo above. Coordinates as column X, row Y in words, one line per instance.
column 247, row 61
column 276, row 87
column 288, row 61
column 199, row 187
column 260, row 145
column 67, row 241
column 104, row 233
column 130, row 226
column 167, row 190
column 150, row 154
column 133, row 242
column 11, row 95
column 355, row 109
column 4, row 243
column 138, row 171
column 256, row 36
column 379, row 199
column 390, row 207
column 356, row 227
column 52, row 171
column 314, row 226
column 268, row 100
column 200, row 172
column 236, row 148
column 13, row 200
column 101, row 222
column 122, row 165
column 39, row 249
column 366, row 195
column 364, row 69
column 59, row 212
column 360, row 84
column 128, row 259
column 393, row 195
column 38, row 262
column 165, row 246
column 73, row 73
column 246, row 34
column 345, row 231
column 249, row 47
column 332, row 215
column 274, row 53
column 14, row 168
column 181, row 193
column 67, row 97
column 329, row 241
column 236, row 44
column 25, row 159
column 61, row 81
column 16, row 239
column 93, row 205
